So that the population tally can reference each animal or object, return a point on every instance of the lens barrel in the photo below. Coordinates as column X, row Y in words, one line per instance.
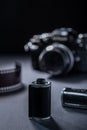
column 56, row 59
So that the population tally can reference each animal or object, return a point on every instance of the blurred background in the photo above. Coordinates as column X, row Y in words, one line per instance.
column 20, row 19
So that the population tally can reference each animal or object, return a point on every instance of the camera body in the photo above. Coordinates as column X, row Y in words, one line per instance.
column 59, row 52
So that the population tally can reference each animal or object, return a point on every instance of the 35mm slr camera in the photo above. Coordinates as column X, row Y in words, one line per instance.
column 59, row 52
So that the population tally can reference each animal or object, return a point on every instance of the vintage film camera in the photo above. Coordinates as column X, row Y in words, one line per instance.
column 59, row 52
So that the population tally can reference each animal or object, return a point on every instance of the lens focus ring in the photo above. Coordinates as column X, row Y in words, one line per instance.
column 56, row 59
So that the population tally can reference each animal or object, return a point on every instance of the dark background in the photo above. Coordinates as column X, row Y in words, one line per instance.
column 20, row 19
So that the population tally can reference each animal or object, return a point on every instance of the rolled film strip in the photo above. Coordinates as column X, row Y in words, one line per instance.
column 10, row 79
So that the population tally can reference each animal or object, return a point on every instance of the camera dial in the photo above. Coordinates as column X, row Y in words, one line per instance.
column 82, row 40
column 64, row 35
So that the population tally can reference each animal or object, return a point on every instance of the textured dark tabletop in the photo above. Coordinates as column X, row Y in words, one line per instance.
column 14, row 107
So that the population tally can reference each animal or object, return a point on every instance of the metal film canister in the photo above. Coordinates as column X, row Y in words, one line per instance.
column 40, row 99
column 74, row 98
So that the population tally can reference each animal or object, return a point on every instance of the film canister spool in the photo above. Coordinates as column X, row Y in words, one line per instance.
column 40, row 99
column 74, row 98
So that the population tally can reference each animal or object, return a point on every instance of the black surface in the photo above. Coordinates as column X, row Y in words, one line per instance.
column 20, row 19
column 14, row 107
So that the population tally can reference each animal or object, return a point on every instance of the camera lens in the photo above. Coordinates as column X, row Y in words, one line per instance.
column 52, row 63
column 56, row 59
